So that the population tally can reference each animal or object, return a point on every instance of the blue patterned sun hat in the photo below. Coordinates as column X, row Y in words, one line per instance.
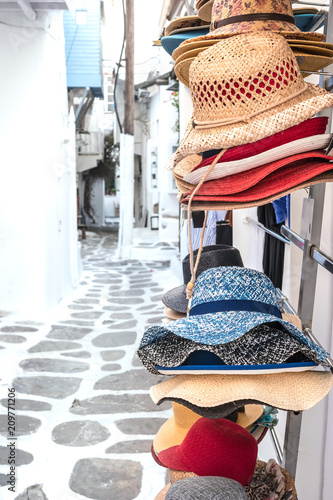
column 227, row 302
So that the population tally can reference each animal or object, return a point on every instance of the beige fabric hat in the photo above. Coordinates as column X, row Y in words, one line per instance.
column 174, row 430
column 183, row 24
column 171, row 314
column 288, row 391
column 243, row 89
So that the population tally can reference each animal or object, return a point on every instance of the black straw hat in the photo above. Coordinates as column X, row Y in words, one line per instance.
column 211, row 256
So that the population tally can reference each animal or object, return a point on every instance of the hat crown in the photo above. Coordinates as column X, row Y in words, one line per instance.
column 233, row 283
column 223, row 10
column 219, row 448
column 242, row 76
column 183, row 416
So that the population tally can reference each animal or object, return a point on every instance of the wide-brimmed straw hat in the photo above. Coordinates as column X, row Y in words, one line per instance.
column 289, row 391
column 246, row 88
column 238, row 16
column 214, row 448
column 227, row 302
column 211, row 256
column 266, row 181
column 264, row 349
column 174, row 430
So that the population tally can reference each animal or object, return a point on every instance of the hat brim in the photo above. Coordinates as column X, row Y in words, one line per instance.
column 225, row 169
column 222, row 328
column 267, row 179
column 308, row 63
column 288, row 391
column 223, row 205
column 267, row 123
column 273, row 186
column 172, row 434
column 171, row 42
column 176, row 299
column 171, row 314
column 237, row 369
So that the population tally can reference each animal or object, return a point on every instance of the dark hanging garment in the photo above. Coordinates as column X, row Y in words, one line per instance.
column 273, row 258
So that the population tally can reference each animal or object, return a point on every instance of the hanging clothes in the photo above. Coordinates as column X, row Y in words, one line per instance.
column 273, row 258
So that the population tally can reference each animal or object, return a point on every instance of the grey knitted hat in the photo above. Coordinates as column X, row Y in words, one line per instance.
column 206, row 488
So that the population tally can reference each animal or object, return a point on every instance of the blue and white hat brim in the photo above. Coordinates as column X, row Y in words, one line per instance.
column 223, row 327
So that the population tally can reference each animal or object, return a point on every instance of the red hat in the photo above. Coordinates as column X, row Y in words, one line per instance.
column 266, row 181
column 214, row 448
column 308, row 128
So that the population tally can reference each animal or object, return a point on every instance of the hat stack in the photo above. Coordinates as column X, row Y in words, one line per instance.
column 233, row 358
column 236, row 17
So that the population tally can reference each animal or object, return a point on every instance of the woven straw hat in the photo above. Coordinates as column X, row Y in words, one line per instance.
column 238, row 16
column 308, row 62
column 246, row 88
column 174, row 430
column 184, row 23
column 186, row 166
column 289, row 391
column 171, row 314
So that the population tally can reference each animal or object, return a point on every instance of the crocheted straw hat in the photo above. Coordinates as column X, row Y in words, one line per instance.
column 214, row 448
column 211, row 256
column 288, row 391
column 174, row 430
column 309, row 62
column 233, row 17
column 246, row 88
column 184, row 23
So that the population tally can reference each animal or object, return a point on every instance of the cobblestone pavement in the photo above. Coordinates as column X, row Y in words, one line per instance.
column 84, row 418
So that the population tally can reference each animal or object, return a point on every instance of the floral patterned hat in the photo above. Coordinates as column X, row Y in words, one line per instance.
column 232, row 17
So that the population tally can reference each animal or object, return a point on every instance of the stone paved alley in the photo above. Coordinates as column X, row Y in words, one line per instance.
column 84, row 418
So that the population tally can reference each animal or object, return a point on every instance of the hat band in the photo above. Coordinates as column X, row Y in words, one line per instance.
column 269, row 16
column 235, row 305
column 229, row 121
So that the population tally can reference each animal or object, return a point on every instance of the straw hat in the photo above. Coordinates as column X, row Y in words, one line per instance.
column 211, row 256
column 228, row 302
column 184, row 23
column 289, row 391
column 174, row 430
column 246, row 88
column 247, row 164
column 266, row 181
column 238, row 16
column 309, row 60
column 171, row 314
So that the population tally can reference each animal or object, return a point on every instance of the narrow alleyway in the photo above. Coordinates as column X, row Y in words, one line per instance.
column 84, row 418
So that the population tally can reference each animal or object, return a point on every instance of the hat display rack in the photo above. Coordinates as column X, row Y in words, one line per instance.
column 311, row 218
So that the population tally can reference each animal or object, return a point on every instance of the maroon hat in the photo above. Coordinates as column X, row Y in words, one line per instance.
column 263, row 182
column 214, row 448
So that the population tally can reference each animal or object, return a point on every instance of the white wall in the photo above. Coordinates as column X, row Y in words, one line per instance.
column 38, row 250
